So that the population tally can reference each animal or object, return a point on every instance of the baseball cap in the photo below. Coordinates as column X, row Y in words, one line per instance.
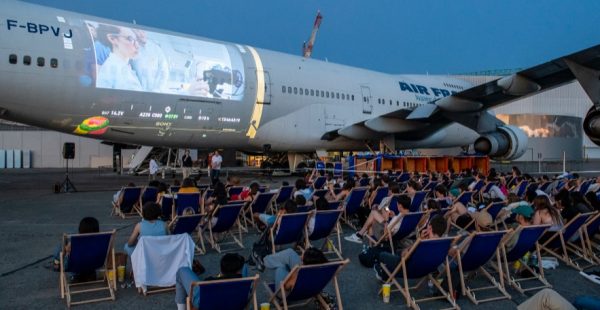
column 454, row 192
column 523, row 210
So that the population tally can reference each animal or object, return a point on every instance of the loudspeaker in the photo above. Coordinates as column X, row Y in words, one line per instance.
column 69, row 150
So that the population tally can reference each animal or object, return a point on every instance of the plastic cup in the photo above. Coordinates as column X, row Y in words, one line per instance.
column 121, row 273
column 265, row 306
column 386, row 288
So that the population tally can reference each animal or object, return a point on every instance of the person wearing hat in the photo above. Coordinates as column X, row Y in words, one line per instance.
column 523, row 217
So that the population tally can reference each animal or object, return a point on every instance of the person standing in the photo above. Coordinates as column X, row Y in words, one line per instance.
column 215, row 167
column 186, row 164
column 153, row 169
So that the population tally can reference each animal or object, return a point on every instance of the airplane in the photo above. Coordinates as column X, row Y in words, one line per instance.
column 127, row 83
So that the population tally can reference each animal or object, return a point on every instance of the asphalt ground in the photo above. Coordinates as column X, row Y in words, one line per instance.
column 34, row 219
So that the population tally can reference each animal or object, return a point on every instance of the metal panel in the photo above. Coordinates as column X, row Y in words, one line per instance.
column 26, row 159
column 10, row 159
column 2, row 159
column 17, row 157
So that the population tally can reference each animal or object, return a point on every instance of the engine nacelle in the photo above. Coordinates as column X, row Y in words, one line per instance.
column 507, row 143
column 591, row 125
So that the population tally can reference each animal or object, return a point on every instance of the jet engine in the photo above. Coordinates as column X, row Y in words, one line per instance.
column 506, row 143
column 591, row 125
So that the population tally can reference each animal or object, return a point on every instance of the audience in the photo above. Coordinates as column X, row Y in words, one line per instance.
column 284, row 261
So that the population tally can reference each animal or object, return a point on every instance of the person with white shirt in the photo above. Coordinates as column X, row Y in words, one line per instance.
column 153, row 169
column 215, row 167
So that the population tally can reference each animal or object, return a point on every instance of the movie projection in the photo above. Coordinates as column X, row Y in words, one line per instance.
column 138, row 60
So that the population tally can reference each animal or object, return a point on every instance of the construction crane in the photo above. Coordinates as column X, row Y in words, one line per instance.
column 307, row 47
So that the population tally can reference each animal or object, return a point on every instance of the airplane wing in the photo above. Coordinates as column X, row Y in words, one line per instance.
column 466, row 107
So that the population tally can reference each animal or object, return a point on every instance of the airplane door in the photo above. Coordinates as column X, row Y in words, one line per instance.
column 366, row 98
column 267, row 77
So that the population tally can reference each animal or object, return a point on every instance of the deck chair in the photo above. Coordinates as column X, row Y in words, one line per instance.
column 419, row 263
column 288, row 228
column 184, row 201
column 260, row 204
column 234, row 294
column 187, row 224
column 521, row 188
column 380, row 193
column 417, row 201
column 327, row 224
column 89, row 252
column 408, row 226
column 590, row 229
column 528, row 237
column 475, row 252
column 166, row 205
column 334, row 205
column 205, row 196
column 404, row 177
column 220, row 226
column 284, row 194
column 128, row 203
column 156, row 259
column 492, row 209
column 544, row 186
column 465, row 198
column 320, row 193
column 235, row 191
column 319, row 183
column 352, row 203
column 429, row 186
column 150, row 193
column 174, row 189
column 362, row 182
column 303, row 208
column 557, row 244
column 310, row 282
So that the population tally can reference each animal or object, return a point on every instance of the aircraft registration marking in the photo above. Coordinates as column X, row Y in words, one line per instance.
column 12, row 24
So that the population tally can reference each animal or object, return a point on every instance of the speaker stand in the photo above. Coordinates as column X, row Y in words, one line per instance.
column 67, row 186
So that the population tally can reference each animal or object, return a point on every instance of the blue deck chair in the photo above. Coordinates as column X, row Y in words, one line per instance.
column 310, row 282
column 261, row 203
column 585, row 186
column 408, row 226
column 284, row 194
column 417, row 201
column 187, row 224
column 128, row 203
column 235, row 190
column 473, row 255
column 352, row 203
column 319, row 183
column 380, row 193
column 404, row 177
column 527, row 238
column 302, row 209
column 174, row 189
column 89, row 252
column 557, row 244
column 465, row 198
column 320, row 193
column 362, row 182
column 288, row 228
column 222, row 222
column 430, row 186
column 205, row 196
column 187, row 200
column 478, row 186
column 234, row 294
column 544, row 186
column 419, row 263
column 522, row 188
column 334, row 205
column 263, row 189
column 327, row 223
column 590, row 229
column 166, row 205
column 493, row 209
column 150, row 194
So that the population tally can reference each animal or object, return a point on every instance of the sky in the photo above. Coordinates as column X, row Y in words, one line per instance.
column 393, row 36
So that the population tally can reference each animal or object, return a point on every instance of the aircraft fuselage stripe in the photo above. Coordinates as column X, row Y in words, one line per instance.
column 260, row 95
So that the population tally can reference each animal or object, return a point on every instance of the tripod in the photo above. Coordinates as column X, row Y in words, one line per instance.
column 67, row 186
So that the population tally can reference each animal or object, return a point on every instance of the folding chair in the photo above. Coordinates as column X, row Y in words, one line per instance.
column 260, row 204
column 221, row 222
column 472, row 256
column 362, row 182
column 544, row 186
column 327, row 223
column 310, row 282
column 304, row 208
column 234, row 294
column 235, row 191
column 522, row 188
column 429, row 186
column 284, row 194
column 353, row 202
column 587, row 244
column 334, row 205
column 89, row 252
column 166, row 205
column 150, row 194
column 417, row 201
column 288, row 228
column 187, row 224
column 319, row 183
column 528, row 237
column 156, row 259
column 128, row 202
column 174, row 189
column 380, row 193
column 408, row 226
column 557, row 244
column 319, row 193
column 419, row 263
column 184, row 201
column 404, row 177
column 465, row 198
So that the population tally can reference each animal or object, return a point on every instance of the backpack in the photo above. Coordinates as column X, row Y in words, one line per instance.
column 369, row 256
column 262, row 247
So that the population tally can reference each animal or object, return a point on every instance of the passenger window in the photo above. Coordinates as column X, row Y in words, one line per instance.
column 352, row 97
column 317, row 93
column 327, row 94
column 312, row 92
column 306, row 92
column 301, row 91
column 27, row 60
column 323, row 94
column 12, row 59
column 337, row 95
column 343, row 97
column 295, row 90
column 54, row 63
column 289, row 89
column 41, row 61
column 283, row 89
column 390, row 101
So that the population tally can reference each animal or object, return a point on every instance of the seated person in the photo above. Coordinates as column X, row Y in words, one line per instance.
column 249, row 193
column 87, row 225
column 284, row 261
column 441, row 194
column 151, row 225
column 378, row 218
column 321, row 205
column 218, row 198
column 458, row 208
column 188, row 186
column 232, row 266
column 303, row 189
column 118, row 197
column 434, row 230
column 269, row 220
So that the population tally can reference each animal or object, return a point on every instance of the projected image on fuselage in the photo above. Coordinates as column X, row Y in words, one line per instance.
column 140, row 60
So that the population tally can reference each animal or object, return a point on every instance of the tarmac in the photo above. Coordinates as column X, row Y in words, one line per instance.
column 34, row 219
